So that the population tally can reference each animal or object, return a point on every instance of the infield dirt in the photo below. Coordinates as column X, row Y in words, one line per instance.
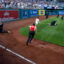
column 38, row 51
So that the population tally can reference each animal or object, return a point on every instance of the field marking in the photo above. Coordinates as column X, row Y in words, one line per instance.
column 18, row 55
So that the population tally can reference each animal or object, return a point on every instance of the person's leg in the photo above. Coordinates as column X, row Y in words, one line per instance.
column 1, row 28
column 4, row 31
column 62, row 18
column 32, row 36
column 46, row 17
column 29, row 37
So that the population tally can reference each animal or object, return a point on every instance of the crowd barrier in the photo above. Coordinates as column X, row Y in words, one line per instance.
column 16, row 14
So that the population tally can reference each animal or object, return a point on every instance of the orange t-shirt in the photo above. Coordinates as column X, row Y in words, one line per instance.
column 32, row 28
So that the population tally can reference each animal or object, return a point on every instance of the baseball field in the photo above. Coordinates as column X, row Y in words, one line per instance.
column 45, row 48
column 45, row 32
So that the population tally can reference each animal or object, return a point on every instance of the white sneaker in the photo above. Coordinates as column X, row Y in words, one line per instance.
column 9, row 31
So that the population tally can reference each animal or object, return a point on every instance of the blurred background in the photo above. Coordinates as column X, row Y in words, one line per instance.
column 32, row 4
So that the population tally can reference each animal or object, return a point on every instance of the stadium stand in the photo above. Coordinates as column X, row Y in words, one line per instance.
column 32, row 4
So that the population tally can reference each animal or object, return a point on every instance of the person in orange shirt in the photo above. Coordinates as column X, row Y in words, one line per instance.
column 33, row 28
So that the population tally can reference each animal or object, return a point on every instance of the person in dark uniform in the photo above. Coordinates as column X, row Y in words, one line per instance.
column 33, row 28
column 1, row 28
column 58, row 15
column 61, row 17
column 53, row 23
column 46, row 15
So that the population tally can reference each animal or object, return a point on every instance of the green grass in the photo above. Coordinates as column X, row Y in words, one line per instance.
column 51, row 34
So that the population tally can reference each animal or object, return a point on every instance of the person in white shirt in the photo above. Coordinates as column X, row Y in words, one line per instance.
column 37, row 20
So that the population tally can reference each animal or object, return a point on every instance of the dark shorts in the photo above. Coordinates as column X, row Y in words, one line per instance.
column 32, row 32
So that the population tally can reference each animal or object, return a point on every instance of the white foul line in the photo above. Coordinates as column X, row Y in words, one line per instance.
column 20, row 56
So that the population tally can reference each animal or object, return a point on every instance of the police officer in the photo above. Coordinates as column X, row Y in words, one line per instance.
column 1, row 28
column 33, row 28
column 53, row 23
column 58, row 15
column 47, row 14
column 61, row 17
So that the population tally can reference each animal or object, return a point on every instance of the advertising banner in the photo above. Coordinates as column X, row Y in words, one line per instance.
column 24, row 14
column 33, row 13
column 52, row 13
column 7, row 15
column 61, row 12
column 41, row 12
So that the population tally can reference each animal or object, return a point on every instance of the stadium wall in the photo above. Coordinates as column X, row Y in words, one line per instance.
column 7, row 15
column 55, row 11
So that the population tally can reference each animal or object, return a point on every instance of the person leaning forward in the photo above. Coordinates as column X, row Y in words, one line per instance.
column 33, row 28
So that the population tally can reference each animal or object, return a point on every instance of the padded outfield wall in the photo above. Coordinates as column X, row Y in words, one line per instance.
column 7, row 15
column 55, row 11
column 17, row 14
column 28, row 13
